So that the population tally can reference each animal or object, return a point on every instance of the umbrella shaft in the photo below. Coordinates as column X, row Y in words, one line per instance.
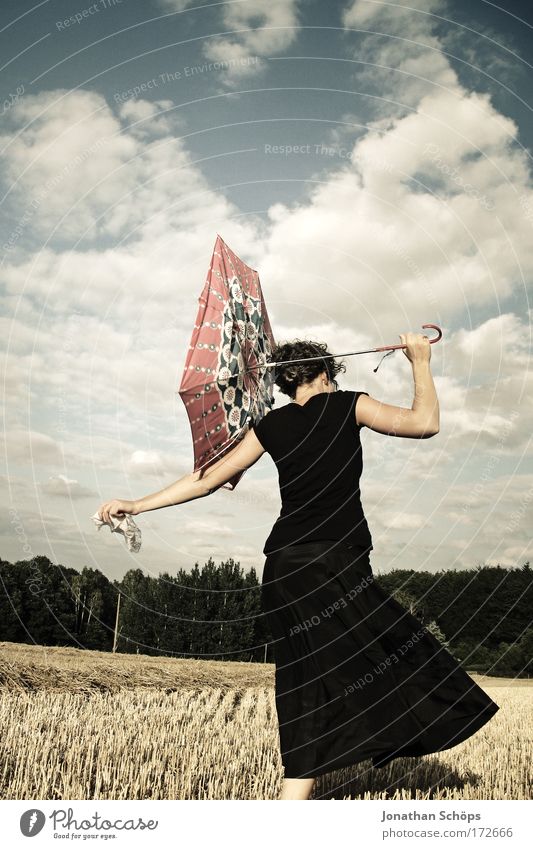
column 324, row 357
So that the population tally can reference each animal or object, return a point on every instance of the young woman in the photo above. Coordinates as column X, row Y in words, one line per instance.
column 357, row 676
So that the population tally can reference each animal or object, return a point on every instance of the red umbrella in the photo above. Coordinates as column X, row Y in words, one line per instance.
column 228, row 379
column 224, row 386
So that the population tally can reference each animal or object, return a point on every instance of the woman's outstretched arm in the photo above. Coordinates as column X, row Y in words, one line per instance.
column 192, row 485
column 422, row 420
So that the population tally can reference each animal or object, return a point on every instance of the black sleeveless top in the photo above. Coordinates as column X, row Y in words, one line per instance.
column 318, row 453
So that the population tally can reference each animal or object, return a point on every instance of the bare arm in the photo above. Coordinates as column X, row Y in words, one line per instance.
column 192, row 486
column 422, row 420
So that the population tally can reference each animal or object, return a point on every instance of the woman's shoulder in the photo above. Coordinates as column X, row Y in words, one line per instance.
column 350, row 394
column 341, row 396
column 287, row 409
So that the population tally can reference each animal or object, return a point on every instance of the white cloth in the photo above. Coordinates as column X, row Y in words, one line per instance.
column 122, row 525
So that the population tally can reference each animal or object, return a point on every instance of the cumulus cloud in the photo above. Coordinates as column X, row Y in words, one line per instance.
column 176, row 5
column 398, row 234
column 156, row 463
column 272, row 28
column 64, row 487
column 204, row 528
column 407, row 521
column 405, row 55
column 28, row 447
column 256, row 29
column 60, row 148
column 76, row 170
column 428, row 218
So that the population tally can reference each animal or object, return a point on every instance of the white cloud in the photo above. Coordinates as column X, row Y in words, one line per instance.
column 412, row 12
column 155, row 463
column 407, row 521
column 491, row 56
column 177, row 5
column 398, row 235
column 75, row 170
column 210, row 530
column 64, row 148
column 258, row 29
column 28, row 447
column 272, row 27
column 381, row 243
column 406, row 58
column 64, row 487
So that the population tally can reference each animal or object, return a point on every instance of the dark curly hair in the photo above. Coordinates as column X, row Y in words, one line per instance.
column 288, row 377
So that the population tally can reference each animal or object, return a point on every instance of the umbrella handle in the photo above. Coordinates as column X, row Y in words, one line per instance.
column 345, row 354
column 395, row 347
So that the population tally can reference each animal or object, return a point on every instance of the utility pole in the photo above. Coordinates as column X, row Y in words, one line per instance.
column 115, row 638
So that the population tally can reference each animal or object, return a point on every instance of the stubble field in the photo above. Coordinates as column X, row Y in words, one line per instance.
column 90, row 725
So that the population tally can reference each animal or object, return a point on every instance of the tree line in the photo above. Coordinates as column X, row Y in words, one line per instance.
column 481, row 615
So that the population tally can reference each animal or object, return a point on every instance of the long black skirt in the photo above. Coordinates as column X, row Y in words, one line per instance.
column 357, row 676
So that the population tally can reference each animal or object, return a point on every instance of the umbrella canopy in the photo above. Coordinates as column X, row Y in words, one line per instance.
column 223, row 386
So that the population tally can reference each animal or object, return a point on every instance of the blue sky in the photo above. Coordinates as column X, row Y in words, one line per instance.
column 372, row 160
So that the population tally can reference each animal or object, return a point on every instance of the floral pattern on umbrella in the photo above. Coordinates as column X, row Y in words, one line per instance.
column 222, row 387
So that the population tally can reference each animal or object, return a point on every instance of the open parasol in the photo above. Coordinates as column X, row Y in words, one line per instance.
column 223, row 385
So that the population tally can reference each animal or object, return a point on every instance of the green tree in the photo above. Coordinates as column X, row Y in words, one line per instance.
column 526, row 647
column 94, row 606
column 434, row 629
column 136, row 624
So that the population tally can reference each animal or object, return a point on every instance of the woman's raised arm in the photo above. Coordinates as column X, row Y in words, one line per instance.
column 422, row 420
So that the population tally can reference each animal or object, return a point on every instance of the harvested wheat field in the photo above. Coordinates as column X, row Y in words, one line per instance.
column 80, row 724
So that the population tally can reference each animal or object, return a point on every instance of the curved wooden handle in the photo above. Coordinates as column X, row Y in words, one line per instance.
column 439, row 331
column 395, row 347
